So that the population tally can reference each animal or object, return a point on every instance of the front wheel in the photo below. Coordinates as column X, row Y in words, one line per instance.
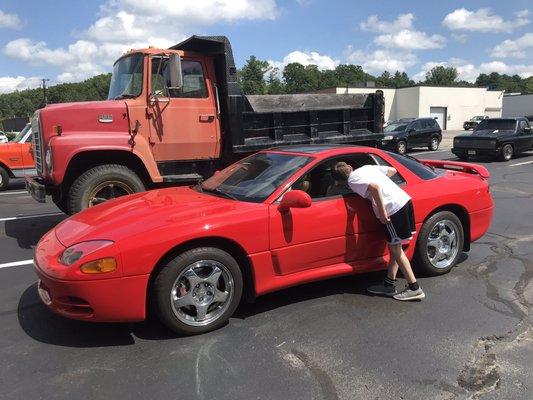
column 401, row 147
column 434, row 144
column 4, row 179
column 102, row 183
column 197, row 291
column 439, row 244
column 507, row 152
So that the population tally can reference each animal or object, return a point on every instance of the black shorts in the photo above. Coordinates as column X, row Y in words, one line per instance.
column 401, row 227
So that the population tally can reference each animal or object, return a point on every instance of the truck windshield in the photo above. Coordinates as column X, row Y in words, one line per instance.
column 127, row 78
column 254, row 178
column 21, row 134
column 497, row 124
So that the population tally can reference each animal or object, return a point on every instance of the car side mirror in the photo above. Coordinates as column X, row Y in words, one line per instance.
column 294, row 199
column 176, row 76
column 527, row 129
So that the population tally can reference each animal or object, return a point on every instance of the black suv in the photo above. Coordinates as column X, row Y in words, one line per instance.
column 406, row 133
column 496, row 137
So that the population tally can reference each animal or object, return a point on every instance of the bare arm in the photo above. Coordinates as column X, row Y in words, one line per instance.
column 391, row 171
column 376, row 195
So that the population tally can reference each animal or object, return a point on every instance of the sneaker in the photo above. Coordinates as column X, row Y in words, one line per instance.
column 382, row 290
column 408, row 294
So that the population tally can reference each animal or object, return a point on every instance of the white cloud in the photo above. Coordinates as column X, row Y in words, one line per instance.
column 410, row 40
column 382, row 60
column 483, row 20
column 311, row 58
column 469, row 72
column 514, row 48
column 374, row 24
column 9, row 84
column 127, row 24
column 9, row 20
column 460, row 37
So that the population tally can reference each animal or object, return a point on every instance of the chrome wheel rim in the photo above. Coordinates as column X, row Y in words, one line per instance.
column 508, row 152
column 402, row 147
column 434, row 144
column 202, row 293
column 442, row 244
column 107, row 191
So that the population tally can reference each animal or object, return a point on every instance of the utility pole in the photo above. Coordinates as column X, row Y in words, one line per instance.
column 44, row 90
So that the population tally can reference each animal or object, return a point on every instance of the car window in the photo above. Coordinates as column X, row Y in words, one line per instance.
column 397, row 178
column 416, row 125
column 419, row 169
column 522, row 126
column 193, row 79
column 497, row 124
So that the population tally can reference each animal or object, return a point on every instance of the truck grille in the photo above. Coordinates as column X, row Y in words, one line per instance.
column 475, row 143
column 37, row 143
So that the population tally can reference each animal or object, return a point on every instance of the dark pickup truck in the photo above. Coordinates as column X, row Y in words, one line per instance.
column 495, row 137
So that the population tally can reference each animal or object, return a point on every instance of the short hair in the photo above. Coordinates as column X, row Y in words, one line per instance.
column 337, row 174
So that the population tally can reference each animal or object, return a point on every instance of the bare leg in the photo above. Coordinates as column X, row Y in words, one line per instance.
column 401, row 260
column 392, row 269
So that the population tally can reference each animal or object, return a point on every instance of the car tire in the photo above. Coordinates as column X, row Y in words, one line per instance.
column 434, row 143
column 4, row 179
column 435, row 240
column 401, row 147
column 101, row 183
column 176, row 276
column 507, row 152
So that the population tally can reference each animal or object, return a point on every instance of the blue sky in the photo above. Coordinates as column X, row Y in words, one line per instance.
column 73, row 40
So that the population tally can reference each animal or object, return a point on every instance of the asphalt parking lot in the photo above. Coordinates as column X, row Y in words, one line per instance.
column 470, row 338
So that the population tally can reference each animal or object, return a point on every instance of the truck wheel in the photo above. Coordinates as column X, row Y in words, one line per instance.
column 4, row 179
column 434, row 143
column 197, row 291
column 101, row 183
column 401, row 147
column 507, row 152
column 439, row 244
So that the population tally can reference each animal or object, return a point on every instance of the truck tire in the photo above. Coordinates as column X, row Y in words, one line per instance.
column 102, row 183
column 4, row 179
column 507, row 152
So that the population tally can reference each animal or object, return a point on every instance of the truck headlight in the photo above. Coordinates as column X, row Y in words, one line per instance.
column 388, row 137
column 48, row 159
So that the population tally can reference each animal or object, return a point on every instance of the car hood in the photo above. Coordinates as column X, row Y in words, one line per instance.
column 142, row 212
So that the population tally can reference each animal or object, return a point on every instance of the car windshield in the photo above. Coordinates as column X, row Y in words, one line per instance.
column 497, row 124
column 478, row 118
column 395, row 127
column 127, row 78
column 21, row 134
column 254, row 178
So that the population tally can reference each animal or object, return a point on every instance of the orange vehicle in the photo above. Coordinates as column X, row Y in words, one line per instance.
column 16, row 158
column 175, row 116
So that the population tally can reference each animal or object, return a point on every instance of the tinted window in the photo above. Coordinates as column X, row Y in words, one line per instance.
column 193, row 79
column 419, row 169
column 254, row 178
column 395, row 127
column 416, row 125
column 497, row 124
column 396, row 178
column 523, row 125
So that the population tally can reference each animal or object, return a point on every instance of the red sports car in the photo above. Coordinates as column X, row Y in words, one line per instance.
column 272, row 220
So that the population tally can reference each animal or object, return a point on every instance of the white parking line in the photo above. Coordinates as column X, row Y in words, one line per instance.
column 30, row 216
column 18, row 192
column 521, row 163
column 16, row 264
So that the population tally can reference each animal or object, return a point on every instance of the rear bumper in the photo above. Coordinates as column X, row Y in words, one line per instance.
column 475, row 152
column 36, row 188
column 480, row 222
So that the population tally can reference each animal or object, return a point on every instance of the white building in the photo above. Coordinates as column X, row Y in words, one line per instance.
column 518, row 105
column 451, row 106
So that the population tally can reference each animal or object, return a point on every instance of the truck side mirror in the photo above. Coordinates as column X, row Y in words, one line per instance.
column 176, row 76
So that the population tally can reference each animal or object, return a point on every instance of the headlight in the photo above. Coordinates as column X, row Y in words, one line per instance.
column 388, row 137
column 48, row 159
column 76, row 252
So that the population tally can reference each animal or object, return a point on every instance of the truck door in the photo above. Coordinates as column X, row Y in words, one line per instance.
column 184, row 122
column 524, row 140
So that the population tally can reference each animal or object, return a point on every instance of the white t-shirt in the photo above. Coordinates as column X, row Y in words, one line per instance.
column 394, row 198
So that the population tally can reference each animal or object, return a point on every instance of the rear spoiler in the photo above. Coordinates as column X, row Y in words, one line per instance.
column 459, row 166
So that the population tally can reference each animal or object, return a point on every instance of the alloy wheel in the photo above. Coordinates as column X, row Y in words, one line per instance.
column 442, row 244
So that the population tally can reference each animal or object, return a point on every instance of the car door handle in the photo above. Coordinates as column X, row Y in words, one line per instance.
column 207, row 117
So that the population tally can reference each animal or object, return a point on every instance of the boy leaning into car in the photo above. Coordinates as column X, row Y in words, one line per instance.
column 394, row 209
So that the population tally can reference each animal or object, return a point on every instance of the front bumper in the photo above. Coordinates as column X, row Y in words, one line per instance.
column 388, row 144
column 36, row 188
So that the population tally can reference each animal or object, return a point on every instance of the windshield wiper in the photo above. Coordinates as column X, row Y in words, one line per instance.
column 218, row 191
column 125, row 96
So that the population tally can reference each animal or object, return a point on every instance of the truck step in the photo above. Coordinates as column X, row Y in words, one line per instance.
column 183, row 178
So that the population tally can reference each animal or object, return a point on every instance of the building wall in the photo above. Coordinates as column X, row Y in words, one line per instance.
column 518, row 106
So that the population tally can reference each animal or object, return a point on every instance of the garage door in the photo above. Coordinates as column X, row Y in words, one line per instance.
column 439, row 113
column 493, row 112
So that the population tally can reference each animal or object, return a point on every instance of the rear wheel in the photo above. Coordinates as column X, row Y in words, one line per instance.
column 507, row 152
column 439, row 244
column 4, row 179
column 401, row 147
column 197, row 291
column 434, row 143
column 102, row 183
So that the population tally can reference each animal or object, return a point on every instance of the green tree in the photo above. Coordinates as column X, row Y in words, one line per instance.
column 401, row 79
column 441, row 76
column 299, row 78
column 252, row 76
column 274, row 83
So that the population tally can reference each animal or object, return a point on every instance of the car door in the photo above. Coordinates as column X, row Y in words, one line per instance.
column 416, row 134
column 338, row 227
